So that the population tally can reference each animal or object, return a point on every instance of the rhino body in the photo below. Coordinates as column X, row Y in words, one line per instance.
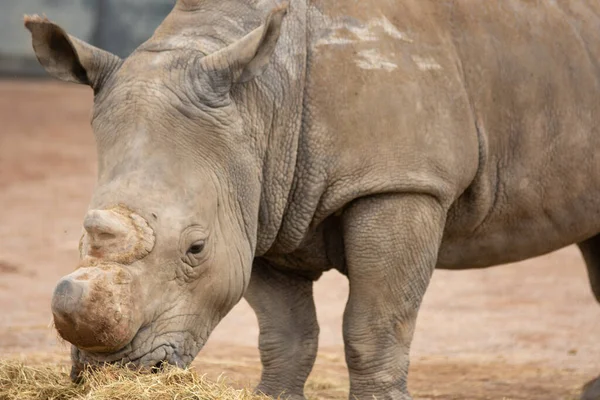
column 249, row 146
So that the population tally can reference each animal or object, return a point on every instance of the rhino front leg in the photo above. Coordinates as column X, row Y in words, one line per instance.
column 391, row 246
column 289, row 329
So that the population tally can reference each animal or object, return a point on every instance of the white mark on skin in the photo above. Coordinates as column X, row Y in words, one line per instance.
column 426, row 63
column 391, row 29
column 333, row 40
column 339, row 37
column 372, row 59
column 362, row 33
column 344, row 33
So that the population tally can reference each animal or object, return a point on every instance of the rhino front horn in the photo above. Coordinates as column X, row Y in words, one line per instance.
column 95, row 308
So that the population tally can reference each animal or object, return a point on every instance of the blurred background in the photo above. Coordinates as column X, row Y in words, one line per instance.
column 115, row 25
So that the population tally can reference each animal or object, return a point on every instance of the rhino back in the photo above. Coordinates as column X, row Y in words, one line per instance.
column 488, row 106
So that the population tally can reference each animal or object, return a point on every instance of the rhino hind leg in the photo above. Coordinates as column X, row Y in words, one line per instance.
column 391, row 244
column 289, row 331
column 591, row 390
column 590, row 249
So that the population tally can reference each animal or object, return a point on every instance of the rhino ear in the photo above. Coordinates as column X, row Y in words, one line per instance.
column 68, row 58
column 248, row 57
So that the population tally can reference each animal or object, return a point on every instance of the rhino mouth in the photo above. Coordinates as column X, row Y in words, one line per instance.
column 146, row 352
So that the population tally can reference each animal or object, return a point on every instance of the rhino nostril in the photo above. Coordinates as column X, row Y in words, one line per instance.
column 159, row 367
column 66, row 297
column 106, row 236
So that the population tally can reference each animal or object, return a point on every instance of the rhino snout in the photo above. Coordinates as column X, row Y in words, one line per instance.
column 95, row 308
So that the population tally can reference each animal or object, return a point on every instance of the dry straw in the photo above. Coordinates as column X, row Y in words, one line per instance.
column 51, row 382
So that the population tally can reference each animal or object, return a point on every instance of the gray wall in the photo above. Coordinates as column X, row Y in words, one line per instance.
column 115, row 25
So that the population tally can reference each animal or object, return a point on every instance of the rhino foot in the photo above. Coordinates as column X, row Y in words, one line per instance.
column 282, row 396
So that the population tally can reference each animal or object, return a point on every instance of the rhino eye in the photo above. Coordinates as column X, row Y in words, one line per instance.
column 196, row 248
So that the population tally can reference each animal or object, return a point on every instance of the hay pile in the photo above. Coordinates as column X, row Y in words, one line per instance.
column 50, row 382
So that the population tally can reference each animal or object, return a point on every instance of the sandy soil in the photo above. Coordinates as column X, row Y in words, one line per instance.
column 520, row 331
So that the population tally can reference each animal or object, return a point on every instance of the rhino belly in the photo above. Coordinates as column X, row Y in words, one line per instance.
column 520, row 230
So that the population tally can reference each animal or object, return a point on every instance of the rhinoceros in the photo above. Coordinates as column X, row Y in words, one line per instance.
column 250, row 145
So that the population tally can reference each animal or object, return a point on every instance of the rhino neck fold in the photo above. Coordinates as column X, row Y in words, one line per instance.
column 277, row 133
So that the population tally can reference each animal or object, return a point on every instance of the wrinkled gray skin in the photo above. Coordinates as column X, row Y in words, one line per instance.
column 243, row 152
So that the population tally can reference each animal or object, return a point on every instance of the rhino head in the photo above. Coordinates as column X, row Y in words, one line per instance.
column 171, row 231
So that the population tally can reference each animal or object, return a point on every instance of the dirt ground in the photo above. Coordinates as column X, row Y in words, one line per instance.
column 520, row 331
